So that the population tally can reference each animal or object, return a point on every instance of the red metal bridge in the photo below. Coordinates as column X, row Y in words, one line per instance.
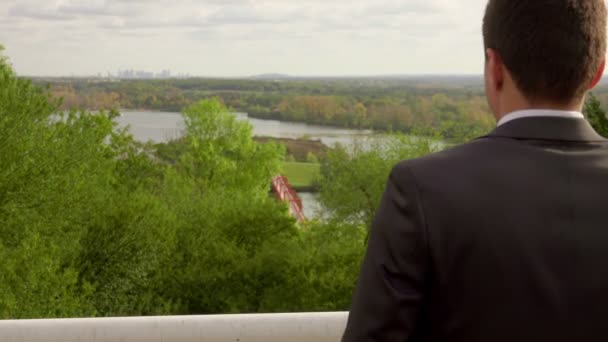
column 285, row 192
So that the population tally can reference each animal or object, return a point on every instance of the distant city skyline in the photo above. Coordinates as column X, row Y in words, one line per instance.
column 241, row 38
column 141, row 74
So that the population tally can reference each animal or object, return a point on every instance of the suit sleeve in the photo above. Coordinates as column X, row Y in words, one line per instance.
column 390, row 291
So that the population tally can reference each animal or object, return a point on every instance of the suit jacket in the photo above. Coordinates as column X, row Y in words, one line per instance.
column 502, row 239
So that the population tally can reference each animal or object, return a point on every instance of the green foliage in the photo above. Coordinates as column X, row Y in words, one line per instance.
column 353, row 179
column 211, row 269
column 221, row 151
column 315, row 271
column 462, row 131
column 219, row 192
column 53, row 169
column 596, row 115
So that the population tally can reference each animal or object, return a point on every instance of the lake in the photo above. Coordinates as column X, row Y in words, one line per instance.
column 165, row 126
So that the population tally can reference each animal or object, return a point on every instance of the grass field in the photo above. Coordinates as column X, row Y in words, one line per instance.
column 301, row 175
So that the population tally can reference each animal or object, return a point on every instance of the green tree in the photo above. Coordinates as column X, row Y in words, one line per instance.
column 315, row 270
column 360, row 115
column 221, row 150
column 596, row 115
column 219, row 194
column 83, row 232
column 52, row 166
column 353, row 179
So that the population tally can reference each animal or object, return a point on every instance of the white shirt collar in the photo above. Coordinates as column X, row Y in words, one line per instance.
column 539, row 113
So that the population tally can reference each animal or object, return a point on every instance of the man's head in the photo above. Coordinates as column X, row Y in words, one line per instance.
column 542, row 53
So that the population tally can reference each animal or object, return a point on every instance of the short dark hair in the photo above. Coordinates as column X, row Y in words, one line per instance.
column 552, row 48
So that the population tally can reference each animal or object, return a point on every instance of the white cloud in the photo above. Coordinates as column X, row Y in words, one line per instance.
column 242, row 37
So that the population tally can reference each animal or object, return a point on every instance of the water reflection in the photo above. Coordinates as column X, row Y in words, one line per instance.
column 311, row 206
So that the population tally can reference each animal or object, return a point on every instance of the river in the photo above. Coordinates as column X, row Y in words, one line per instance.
column 165, row 126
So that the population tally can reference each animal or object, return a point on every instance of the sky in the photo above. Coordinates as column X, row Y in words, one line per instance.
column 232, row 38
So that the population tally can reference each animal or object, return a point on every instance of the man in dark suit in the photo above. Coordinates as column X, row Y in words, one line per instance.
column 504, row 238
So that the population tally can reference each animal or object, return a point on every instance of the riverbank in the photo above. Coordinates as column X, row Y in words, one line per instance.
column 300, row 150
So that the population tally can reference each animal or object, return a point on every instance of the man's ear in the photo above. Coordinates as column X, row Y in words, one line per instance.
column 495, row 69
column 598, row 75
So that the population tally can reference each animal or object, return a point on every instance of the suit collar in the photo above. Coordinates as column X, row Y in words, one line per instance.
column 520, row 114
column 548, row 128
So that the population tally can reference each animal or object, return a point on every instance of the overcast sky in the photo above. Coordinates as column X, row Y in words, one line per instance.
column 243, row 37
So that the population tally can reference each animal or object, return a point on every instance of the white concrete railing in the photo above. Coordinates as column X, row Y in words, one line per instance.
column 305, row 327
